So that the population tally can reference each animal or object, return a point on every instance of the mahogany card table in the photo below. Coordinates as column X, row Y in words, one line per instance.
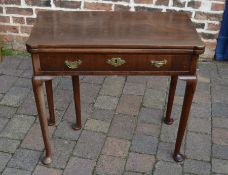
column 113, row 43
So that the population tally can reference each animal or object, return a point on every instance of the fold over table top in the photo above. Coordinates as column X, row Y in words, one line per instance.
column 113, row 30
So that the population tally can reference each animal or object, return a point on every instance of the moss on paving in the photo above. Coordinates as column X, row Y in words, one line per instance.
column 10, row 52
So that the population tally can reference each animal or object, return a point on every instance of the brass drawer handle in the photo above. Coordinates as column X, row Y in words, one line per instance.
column 116, row 62
column 158, row 64
column 73, row 64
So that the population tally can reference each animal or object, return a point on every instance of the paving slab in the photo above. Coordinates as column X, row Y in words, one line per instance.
column 198, row 146
column 33, row 140
column 6, row 111
column 15, row 171
column 17, row 127
column 9, row 145
column 197, row 167
column 150, row 115
column 220, row 166
column 140, row 163
column 113, row 86
column 220, row 136
column 154, row 98
column 65, row 131
column 89, row 92
column 62, row 99
column 165, row 151
column 200, row 111
column 106, row 102
column 199, row 125
column 110, row 165
column 220, row 151
column 157, row 82
column 134, row 89
column 62, row 150
column 122, row 126
column 4, row 158
column 89, row 144
column 102, row 114
column 129, row 104
column 15, row 96
column 23, row 82
column 132, row 173
column 6, row 82
column 25, row 159
column 79, row 166
column 3, row 122
column 219, row 122
column 116, row 147
column 25, row 64
column 29, row 101
column 169, row 132
column 137, row 79
column 220, row 110
column 93, row 79
column 41, row 170
column 148, row 129
column 167, row 168
column 11, row 62
column 144, row 144
column 86, row 112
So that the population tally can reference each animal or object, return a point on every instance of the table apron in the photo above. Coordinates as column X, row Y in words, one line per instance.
column 140, row 73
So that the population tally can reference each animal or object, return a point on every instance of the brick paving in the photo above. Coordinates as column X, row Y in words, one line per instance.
column 123, row 132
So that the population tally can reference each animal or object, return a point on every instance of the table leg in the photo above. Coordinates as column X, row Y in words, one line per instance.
column 40, row 104
column 189, row 93
column 76, row 90
column 49, row 91
column 172, row 88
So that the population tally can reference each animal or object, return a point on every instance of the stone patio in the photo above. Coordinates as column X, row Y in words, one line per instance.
column 123, row 132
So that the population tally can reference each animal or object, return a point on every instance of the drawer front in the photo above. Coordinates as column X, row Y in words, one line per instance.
column 115, row 62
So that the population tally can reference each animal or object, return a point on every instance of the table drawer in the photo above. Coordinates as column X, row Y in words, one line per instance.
column 114, row 62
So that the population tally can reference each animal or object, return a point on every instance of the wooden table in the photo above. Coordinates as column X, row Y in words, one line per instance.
column 113, row 43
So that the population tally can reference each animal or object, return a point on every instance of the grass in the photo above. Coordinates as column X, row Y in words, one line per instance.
column 10, row 52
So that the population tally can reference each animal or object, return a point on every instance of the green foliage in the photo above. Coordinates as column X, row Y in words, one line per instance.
column 10, row 52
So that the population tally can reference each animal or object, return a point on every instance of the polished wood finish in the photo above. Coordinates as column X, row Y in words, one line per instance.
column 49, row 92
column 40, row 103
column 76, row 89
column 113, row 43
column 172, row 88
column 98, row 62
column 58, row 29
column 189, row 93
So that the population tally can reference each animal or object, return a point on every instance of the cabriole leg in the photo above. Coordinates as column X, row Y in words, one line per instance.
column 40, row 104
column 49, row 91
column 189, row 93
column 172, row 88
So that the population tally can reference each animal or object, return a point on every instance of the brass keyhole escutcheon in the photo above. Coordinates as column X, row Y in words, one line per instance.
column 116, row 62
